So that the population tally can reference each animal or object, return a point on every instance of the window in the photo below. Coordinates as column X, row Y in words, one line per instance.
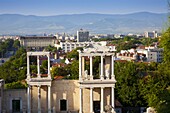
column 63, row 105
column 96, row 106
column 16, row 105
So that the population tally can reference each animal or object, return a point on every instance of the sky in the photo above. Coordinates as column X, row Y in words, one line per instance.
column 58, row 7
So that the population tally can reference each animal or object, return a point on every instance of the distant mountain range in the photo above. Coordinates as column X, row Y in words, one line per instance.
column 95, row 23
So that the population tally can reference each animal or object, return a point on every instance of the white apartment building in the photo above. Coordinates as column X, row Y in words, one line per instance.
column 69, row 46
column 152, row 34
column 152, row 54
column 82, row 35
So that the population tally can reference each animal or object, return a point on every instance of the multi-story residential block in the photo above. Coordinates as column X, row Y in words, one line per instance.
column 153, row 34
column 153, row 54
column 82, row 35
column 69, row 46
column 148, row 54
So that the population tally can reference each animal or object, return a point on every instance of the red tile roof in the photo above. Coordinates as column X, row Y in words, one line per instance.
column 58, row 77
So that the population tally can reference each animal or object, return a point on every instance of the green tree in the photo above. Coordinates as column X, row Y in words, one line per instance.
column 74, row 53
column 15, row 68
column 127, row 78
column 74, row 70
column 16, row 85
column 59, row 71
column 51, row 48
column 165, row 44
column 16, row 44
column 127, row 38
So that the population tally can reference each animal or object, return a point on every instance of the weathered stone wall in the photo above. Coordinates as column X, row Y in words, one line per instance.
column 61, row 89
column 14, row 94
column 69, row 90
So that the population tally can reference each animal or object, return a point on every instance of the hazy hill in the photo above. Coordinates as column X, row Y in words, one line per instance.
column 95, row 23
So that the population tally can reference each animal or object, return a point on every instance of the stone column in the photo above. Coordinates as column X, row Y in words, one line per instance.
column 49, row 99
column 91, row 68
column 91, row 100
column 101, row 76
column 38, row 65
column 112, row 76
column 113, row 99
column 83, row 66
column 49, row 75
column 80, row 67
column 81, row 110
column 39, row 99
column 102, row 100
column 28, row 99
column 28, row 67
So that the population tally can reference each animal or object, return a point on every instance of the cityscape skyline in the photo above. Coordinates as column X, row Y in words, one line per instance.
column 60, row 7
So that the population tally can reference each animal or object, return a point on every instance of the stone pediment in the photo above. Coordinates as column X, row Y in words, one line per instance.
column 97, row 48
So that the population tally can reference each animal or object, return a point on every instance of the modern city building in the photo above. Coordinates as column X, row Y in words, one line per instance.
column 148, row 54
column 152, row 54
column 37, row 41
column 82, row 35
column 153, row 34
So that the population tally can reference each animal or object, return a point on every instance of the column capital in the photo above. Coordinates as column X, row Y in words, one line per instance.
column 102, row 56
column 113, row 77
column 80, row 79
column 80, row 55
column 49, row 75
column 91, row 87
column 29, row 86
column 48, row 85
column 102, row 87
column 81, row 87
column 28, row 76
column 38, row 85
column 113, row 86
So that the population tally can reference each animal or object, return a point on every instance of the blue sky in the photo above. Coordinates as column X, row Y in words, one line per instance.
column 57, row 7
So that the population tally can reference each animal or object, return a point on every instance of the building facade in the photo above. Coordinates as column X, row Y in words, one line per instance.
column 86, row 95
column 82, row 35
column 153, row 54
column 149, row 54
column 152, row 34
column 106, row 81
column 69, row 46
column 37, row 41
